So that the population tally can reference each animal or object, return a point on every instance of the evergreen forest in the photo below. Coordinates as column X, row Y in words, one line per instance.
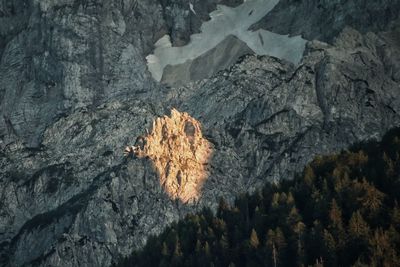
column 341, row 210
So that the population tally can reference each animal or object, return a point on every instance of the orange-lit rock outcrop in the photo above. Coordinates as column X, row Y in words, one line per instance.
column 179, row 152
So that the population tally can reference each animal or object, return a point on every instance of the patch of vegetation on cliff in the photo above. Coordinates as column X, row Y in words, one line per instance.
column 343, row 210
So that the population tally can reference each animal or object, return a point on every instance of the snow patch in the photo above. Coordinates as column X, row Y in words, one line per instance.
column 227, row 21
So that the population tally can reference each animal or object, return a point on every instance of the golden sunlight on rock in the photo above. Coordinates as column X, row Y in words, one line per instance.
column 179, row 152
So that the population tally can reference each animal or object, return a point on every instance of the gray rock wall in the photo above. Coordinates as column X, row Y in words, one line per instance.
column 74, row 91
column 325, row 19
column 181, row 21
column 61, row 55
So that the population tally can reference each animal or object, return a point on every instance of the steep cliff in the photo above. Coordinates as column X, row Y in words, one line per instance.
column 59, row 56
column 221, row 57
column 325, row 19
column 179, row 153
column 74, row 91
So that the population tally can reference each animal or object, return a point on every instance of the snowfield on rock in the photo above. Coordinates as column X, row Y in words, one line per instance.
column 226, row 21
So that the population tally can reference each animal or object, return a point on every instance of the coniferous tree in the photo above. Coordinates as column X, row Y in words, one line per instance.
column 335, row 215
column 164, row 250
column 342, row 211
column 329, row 249
column 395, row 216
column 381, row 249
column 254, row 242
column 358, row 228
column 309, row 176
column 358, row 236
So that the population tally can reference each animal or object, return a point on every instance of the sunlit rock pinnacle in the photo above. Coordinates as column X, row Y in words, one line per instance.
column 179, row 153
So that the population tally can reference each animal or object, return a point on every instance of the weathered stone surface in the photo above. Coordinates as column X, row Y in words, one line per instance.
column 179, row 153
column 324, row 20
column 61, row 55
column 223, row 39
column 68, row 196
column 273, row 118
column 223, row 56
column 182, row 21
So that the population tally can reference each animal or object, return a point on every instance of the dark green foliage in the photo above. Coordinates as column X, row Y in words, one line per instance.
column 342, row 211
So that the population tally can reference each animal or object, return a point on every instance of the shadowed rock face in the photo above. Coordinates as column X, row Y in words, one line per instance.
column 182, row 20
column 215, row 34
column 223, row 56
column 75, row 200
column 179, row 153
column 59, row 56
column 324, row 20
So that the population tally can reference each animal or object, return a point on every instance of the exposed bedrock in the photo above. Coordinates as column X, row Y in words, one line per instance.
column 224, row 33
column 73, row 96
column 183, row 18
column 221, row 57
column 276, row 117
column 80, row 202
column 59, row 56
column 325, row 19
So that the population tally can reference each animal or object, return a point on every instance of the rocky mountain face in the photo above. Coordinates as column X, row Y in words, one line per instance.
column 222, row 40
column 221, row 57
column 325, row 19
column 74, row 91
column 179, row 153
column 183, row 18
column 59, row 56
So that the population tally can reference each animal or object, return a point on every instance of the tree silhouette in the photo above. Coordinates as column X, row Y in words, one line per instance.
column 342, row 210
